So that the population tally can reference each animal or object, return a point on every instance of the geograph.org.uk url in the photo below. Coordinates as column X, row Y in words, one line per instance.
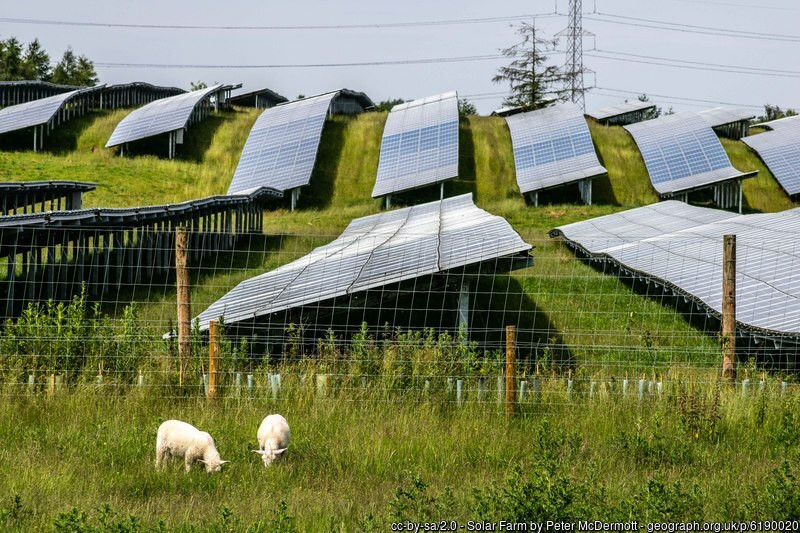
column 598, row 525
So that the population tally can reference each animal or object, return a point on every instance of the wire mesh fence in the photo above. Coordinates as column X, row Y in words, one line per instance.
column 98, row 308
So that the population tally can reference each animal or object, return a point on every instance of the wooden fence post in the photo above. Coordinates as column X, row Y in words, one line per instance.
column 511, row 380
column 729, row 307
column 213, row 358
column 184, row 303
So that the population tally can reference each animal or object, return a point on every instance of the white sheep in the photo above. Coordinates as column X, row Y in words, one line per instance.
column 179, row 439
column 273, row 438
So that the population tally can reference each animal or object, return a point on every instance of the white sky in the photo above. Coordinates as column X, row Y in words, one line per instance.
column 249, row 47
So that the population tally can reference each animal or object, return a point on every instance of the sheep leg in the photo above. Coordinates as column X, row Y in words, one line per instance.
column 161, row 454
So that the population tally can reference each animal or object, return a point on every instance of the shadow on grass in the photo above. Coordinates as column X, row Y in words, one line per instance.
column 62, row 140
column 197, row 140
column 329, row 155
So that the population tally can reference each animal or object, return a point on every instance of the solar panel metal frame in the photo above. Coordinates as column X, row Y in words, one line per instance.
column 281, row 150
column 268, row 94
column 680, row 248
column 419, row 146
column 37, row 112
column 683, row 144
column 160, row 116
column 779, row 123
column 558, row 139
column 375, row 251
column 780, row 151
column 616, row 111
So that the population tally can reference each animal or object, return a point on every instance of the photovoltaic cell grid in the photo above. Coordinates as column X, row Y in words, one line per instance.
column 160, row 116
column 780, row 123
column 719, row 116
column 681, row 153
column 419, row 145
column 35, row 112
column 680, row 246
column 282, row 147
column 618, row 110
column 552, row 146
column 375, row 251
column 780, row 150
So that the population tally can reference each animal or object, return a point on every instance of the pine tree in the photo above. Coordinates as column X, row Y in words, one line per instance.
column 532, row 83
column 36, row 63
column 74, row 70
column 11, row 60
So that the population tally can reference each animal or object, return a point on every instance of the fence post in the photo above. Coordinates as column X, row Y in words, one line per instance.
column 729, row 307
column 511, row 359
column 213, row 358
column 184, row 304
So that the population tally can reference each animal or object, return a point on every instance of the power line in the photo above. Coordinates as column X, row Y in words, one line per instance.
column 690, row 30
column 692, row 67
column 733, row 4
column 682, row 61
column 380, row 25
column 710, row 28
column 715, row 102
column 303, row 65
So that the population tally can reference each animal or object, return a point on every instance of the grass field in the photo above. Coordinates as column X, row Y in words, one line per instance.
column 361, row 459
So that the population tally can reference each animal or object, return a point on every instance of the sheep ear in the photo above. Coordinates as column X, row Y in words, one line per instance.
column 201, row 461
column 276, row 452
column 223, row 462
column 260, row 452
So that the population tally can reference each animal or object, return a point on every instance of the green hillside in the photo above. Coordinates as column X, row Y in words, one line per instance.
column 566, row 292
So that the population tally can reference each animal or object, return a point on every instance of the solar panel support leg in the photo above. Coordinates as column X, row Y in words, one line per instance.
column 388, row 201
column 463, row 311
column 534, row 198
column 441, row 191
column 35, row 143
column 740, row 196
column 295, row 197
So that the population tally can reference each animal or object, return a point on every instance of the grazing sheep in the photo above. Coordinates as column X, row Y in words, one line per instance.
column 179, row 439
column 273, row 438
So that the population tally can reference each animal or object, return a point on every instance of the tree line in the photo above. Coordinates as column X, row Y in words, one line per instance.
column 19, row 61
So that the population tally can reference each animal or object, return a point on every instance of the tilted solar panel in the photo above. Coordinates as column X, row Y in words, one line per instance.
column 780, row 150
column 618, row 110
column 160, row 116
column 719, row 116
column 419, row 145
column 552, row 146
column 780, row 123
column 282, row 147
column 682, row 153
column 680, row 246
column 376, row 251
column 36, row 112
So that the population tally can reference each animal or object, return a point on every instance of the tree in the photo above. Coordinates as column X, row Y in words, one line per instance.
column 465, row 107
column 532, row 83
column 387, row 105
column 74, row 70
column 36, row 63
column 11, row 59
column 651, row 113
column 197, row 85
column 773, row 112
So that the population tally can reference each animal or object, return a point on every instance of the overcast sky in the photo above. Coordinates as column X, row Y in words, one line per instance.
column 773, row 45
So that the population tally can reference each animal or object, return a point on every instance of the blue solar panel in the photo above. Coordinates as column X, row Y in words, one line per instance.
column 160, row 116
column 681, row 153
column 552, row 146
column 282, row 147
column 36, row 112
column 419, row 145
column 780, row 150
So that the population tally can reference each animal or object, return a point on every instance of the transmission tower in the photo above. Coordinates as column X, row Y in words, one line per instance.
column 573, row 69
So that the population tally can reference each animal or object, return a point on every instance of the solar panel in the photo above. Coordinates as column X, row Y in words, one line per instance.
column 617, row 113
column 780, row 123
column 36, row 112
column 682, row 153
column 419, row 145
column 659, row 243
column 780, row 150
column 552, row 146
column 375, row 251
column 719, row 116
column 160, row 116
column 282, row 147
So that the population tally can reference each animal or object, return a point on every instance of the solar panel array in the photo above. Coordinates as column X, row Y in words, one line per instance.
column 615, row 111
column 282, row 147
column 552, row 146
column 682, row 153
column 780, row 123
column 35, row 112
column 680, row 246
column 780, row 150
column 419, row 145
column 719, row 116
column 376, row 251
column 160, row 116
